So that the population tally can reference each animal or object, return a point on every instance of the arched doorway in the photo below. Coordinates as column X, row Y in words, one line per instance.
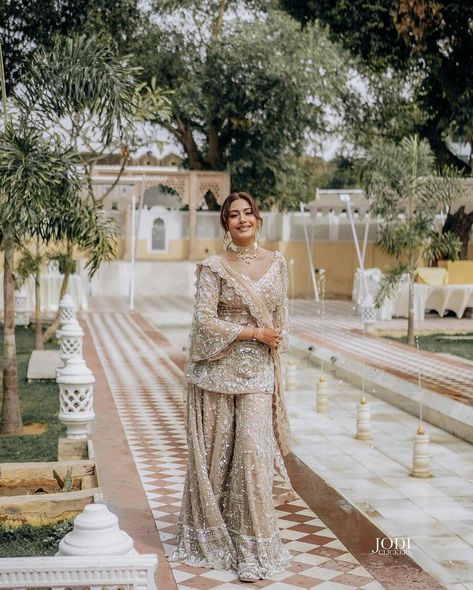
column 158, row 235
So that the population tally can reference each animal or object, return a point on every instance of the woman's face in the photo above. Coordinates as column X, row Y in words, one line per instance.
column 242, row 223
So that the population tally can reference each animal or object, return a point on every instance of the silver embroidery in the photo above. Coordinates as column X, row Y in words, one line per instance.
column 227, row 518
column 220, row 312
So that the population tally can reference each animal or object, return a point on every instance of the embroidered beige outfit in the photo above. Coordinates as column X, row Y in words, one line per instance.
column 237, row 426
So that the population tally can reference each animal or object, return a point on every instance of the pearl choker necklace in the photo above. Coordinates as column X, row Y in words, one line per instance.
column 245, row 253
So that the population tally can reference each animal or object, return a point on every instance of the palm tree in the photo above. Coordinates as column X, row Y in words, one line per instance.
column 83, row 87
column 91, row 95
column 35, row 176
column 89, row 229
column 41, row 190
column 407, row 192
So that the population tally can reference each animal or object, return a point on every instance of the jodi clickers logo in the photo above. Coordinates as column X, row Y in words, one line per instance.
column 394, row 546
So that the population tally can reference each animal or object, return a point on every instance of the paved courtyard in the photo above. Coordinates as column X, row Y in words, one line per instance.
column 351, row 492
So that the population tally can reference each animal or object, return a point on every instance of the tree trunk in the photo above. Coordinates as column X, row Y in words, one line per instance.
column 55, row 325
column 218, row 23
column 188, row 143
column 410, row 315
column 212, row 152
column 433, row 130
column 460, row 224
column 11, row 415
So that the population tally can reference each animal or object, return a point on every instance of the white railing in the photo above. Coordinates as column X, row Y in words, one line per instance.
column 131, row 572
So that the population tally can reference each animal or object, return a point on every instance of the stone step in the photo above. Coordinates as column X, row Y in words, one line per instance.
column 43, row 364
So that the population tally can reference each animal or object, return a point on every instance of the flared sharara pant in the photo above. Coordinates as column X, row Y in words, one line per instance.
column 227, row 516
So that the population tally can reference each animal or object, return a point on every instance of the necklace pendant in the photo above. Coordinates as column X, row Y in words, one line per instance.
column 245, row 253
column 246, row 257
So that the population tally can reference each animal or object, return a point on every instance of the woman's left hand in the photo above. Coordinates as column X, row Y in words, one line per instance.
column 270, row 336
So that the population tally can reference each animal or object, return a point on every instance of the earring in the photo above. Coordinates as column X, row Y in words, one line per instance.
column 227, row 240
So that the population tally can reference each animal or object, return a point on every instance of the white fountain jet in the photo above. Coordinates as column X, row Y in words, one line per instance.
column 368, row 314
column 309, row 255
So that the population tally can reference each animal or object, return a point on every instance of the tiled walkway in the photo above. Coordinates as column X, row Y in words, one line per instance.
column 340, row 330
column 337, row 326
column 147, row 389
column 145, row 376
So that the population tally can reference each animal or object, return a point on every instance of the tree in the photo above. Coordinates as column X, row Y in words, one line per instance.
column 460, row 223
column 406, row 192
column 309, row 173
column 86, row 90
column 248, row 87
column 41, row 187
column 429, row 39
column 82, row 87
column 92, row 90
column 380, row 107
column 35, row 177
column 26, row 25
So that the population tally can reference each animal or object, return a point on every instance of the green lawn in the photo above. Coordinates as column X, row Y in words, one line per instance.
column 457, row 344
column 39, row 403
column 29, row 540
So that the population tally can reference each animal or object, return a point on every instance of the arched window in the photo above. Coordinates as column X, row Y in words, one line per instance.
column 158, row 235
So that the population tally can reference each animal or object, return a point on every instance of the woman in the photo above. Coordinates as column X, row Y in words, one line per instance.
column 236, row 420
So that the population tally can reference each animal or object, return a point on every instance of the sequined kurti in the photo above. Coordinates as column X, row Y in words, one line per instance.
column 234, row 408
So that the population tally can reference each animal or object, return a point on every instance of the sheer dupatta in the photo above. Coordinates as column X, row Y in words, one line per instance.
column 213, row 337
column 280, row 419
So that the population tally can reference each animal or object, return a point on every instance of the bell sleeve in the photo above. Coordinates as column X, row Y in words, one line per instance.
column 281, row 314
column 211, row 337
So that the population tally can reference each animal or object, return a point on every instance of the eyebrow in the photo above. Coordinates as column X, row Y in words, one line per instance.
column 245, row 209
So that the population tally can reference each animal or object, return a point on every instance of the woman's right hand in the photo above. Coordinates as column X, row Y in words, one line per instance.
column 269, row 336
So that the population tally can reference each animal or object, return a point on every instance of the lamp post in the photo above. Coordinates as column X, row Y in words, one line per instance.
column 67, row 309
column 70, row 335
column 76, row 386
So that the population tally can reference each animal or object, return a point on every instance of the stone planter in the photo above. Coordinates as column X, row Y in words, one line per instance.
column 41, row 500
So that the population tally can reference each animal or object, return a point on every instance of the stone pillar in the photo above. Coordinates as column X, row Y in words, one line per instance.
column 67, row 310
column 363, row 421
column 193, row 188
column 421, row 454
column 70, row 335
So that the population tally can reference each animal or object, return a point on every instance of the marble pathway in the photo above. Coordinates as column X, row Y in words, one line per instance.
column 337, row 327
column 147, row 387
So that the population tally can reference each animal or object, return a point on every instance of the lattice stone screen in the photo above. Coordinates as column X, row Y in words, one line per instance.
column 76, row 399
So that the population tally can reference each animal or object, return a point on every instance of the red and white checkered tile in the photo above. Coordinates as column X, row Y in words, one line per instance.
column 336, row 326
column 148, row 390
